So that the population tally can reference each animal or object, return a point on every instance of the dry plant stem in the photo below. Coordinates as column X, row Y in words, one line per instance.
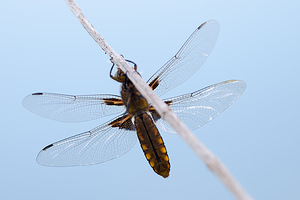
column 207, row 157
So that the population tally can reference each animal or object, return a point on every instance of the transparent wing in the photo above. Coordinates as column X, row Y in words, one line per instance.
column 98, row 145
column 197, row 108
column 71, row 108
column 188, row 59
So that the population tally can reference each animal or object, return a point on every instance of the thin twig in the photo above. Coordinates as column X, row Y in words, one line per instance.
column 207, row 157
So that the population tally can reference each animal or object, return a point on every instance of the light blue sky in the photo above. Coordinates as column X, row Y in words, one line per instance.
column 43, row 48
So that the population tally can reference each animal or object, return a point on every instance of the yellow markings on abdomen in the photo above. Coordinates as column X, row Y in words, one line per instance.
column 152, row 144
column 166, row 158
column 148, row 156
column 144, row 147
column 163, row 150
column 159, row 140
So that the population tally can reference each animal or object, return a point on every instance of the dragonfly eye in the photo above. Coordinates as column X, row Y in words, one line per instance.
column 120, row 76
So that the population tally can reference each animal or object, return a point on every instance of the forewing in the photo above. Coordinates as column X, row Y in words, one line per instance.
column 71, row 108
column 188, row 59
column 100, row 144
column 197, row 108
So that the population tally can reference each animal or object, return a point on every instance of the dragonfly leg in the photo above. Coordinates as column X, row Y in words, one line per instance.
column 111, row 76
column 135, row 65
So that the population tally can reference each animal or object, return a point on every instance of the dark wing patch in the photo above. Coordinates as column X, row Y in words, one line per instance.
column 154, row 83
column 123, row 122
column 153, row 112
column 113, row 101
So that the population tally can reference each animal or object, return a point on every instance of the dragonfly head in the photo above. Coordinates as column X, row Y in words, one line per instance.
column 120, row 76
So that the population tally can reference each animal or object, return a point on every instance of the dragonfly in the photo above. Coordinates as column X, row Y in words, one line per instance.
column 137, row 118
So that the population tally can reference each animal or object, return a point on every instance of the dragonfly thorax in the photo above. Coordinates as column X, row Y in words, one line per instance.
column 132, row 98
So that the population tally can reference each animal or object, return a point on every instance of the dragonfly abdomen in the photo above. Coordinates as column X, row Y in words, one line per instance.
column 152, row 144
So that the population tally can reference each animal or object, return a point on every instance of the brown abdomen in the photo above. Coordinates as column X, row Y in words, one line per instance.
column 152, row 144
